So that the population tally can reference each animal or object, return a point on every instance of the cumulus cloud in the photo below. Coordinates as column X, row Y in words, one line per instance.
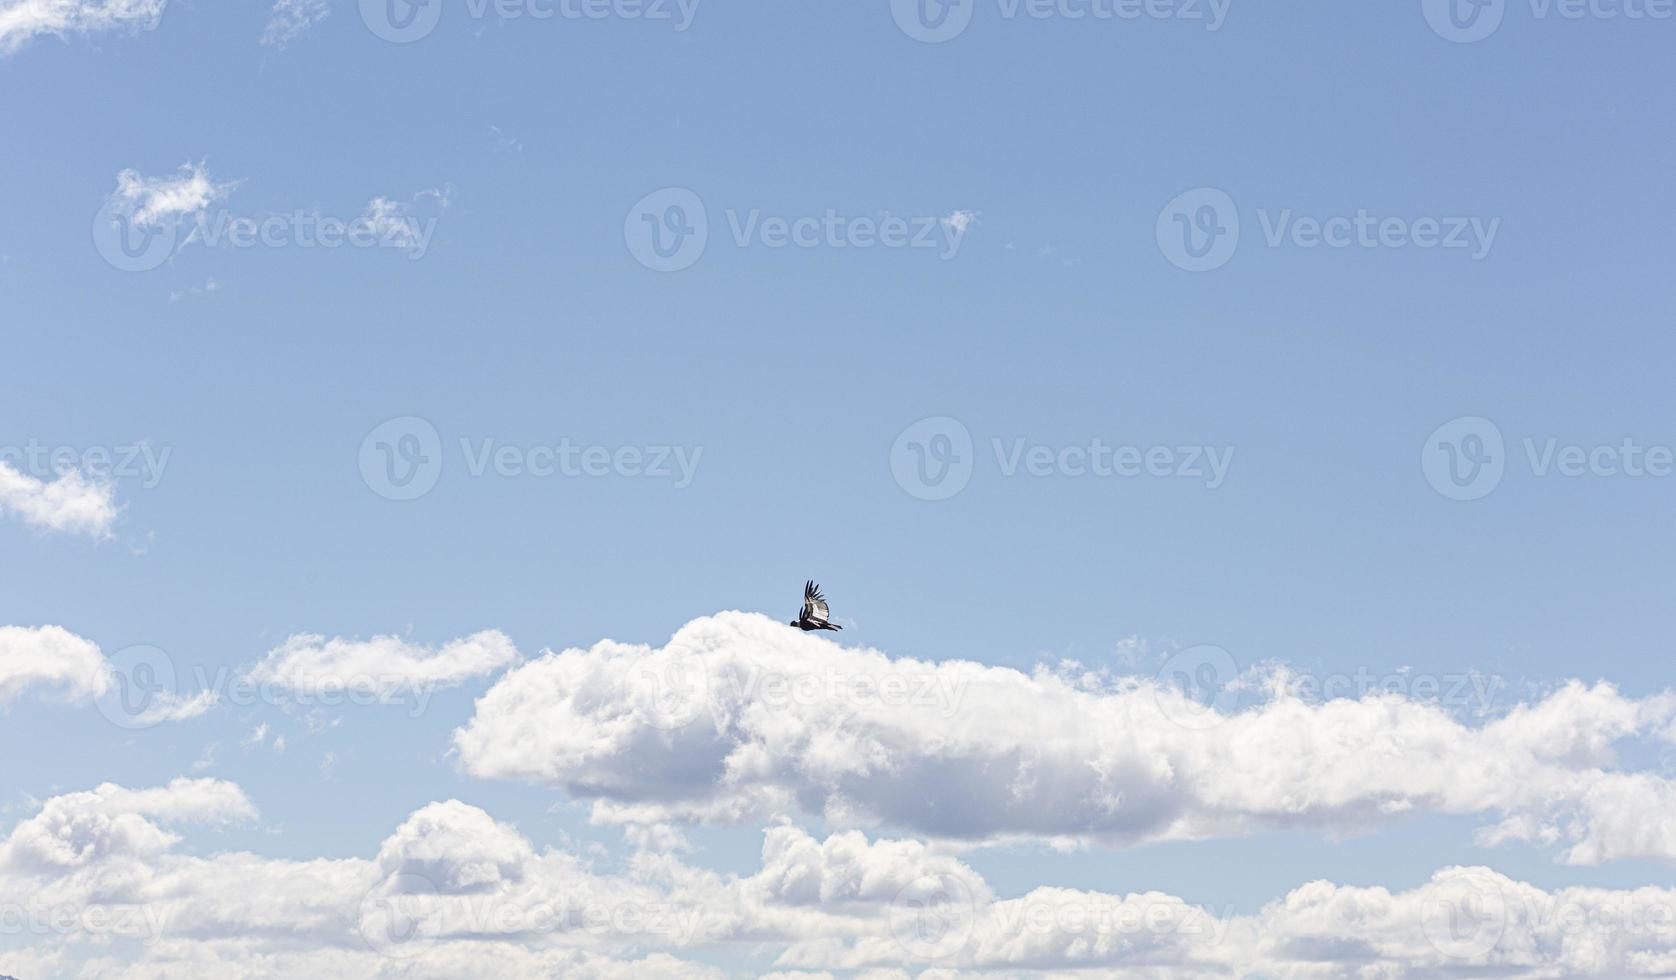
column 740, row 717
column 454, row 893
column 291, row 19
column 53, row 659
column 109, row 823
column 73, row 503
column 309, row 663
column 21, row 20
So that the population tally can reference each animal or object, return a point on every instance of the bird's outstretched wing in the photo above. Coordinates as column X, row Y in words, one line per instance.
column 815, row 608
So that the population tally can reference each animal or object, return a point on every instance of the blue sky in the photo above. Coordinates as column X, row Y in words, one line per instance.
column 1050, row 149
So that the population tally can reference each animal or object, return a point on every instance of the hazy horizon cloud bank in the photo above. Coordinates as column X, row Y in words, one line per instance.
column 104, row 884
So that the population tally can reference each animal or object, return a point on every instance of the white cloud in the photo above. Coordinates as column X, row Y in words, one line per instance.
column 209, row 286
column 740, row 717
column 394, row 224
column 459, row 849
column 111, row 822
column 167, row 706
column 454, row 893
column 149, row 202
column 291, row 19
column 384, row 665
column 52, row 658
column 961, row 221
column 21, row 20
column 73, row 503
column 442, row 196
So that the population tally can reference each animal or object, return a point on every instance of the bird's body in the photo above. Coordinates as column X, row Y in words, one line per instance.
column 816, row 614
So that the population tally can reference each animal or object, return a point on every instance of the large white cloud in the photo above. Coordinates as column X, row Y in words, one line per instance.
column 72, row 503
column 454, row 893
column 739, row 717
column 52, row 659
column 21, row 20
column 384, row 665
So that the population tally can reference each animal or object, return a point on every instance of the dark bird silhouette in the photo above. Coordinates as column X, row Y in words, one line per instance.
column 816, row 614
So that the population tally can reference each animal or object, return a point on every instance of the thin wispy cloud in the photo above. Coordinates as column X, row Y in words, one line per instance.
column 310, row 663
column 149, row 202
column 291, row 19
column 24, row 20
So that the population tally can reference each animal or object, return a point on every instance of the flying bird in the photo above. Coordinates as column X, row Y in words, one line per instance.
column 816, row 614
